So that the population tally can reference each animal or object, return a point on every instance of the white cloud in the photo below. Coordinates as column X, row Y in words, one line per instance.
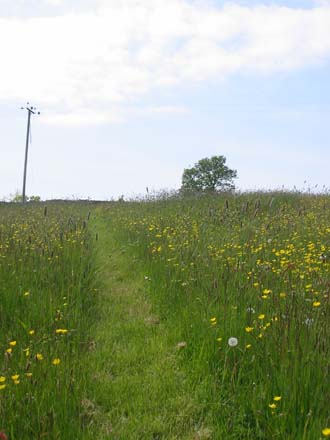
column 106, row 59
column 166, row 109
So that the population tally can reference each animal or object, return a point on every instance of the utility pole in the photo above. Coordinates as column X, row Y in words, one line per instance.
column 31, row 111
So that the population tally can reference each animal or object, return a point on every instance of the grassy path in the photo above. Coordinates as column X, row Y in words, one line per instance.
column 140, row 391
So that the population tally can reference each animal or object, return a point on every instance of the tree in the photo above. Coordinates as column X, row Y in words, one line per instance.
column 208, row 175
column 18, row 198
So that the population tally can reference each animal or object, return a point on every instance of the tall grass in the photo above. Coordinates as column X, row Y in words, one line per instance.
column 46, row 298
column 244, row 283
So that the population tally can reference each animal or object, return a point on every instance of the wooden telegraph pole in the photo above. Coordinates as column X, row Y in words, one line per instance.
column 31, row 111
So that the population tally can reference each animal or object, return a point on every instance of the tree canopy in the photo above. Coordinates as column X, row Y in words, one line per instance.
column 209, row 175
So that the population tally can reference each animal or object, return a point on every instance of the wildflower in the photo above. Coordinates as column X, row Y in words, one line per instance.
column 213, row 321
column 15, row 377
column 12, row 343
column 316, row 304
column 282, row 295
column 248, row 329
column 2, row 379
column 31, row 332
column 309, row 321
column 266, row 291
column 262, row 316
column 57, row 361
column 61, row 331
column 219, row 339
column 9, row 350
column 232, row 342
column 248, row 346
column 39, row 357
column 272, row 405
column 250, row 310
column 2, row 387
column 28, row 374
column 326, row 432
column 26, row 294
column 277, row 398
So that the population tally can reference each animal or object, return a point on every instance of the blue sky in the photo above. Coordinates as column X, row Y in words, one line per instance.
column 132, row 92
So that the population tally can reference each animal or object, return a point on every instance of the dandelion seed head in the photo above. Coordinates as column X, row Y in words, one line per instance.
column 232, row 341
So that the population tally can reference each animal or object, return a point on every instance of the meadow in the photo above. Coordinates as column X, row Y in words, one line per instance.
column 243, row 281
column 237, row 287
column 46, row 299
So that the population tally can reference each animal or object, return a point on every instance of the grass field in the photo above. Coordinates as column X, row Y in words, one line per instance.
column 46, row 295
column 201, row 318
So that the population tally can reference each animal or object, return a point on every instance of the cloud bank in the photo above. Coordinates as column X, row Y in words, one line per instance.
column 90, row 67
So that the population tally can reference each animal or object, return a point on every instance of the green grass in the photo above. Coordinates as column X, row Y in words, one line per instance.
column 139, row 390
column 219, row 266
column 46, row 295
column 147, row 353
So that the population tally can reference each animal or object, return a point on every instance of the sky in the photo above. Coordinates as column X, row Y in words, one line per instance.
column 131, row 92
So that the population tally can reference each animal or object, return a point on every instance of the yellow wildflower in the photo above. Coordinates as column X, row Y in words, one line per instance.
column 272, row 405
column 262, row 316
column 316, row 304
column 213, row 321
column 12, row 343
column 2, row 387
column 277, row 398
column 39, row 357
column 15, row 377
column 248, row 329
column 2, row 379
column 326, row 432
column 61, row 331
column 56, row 361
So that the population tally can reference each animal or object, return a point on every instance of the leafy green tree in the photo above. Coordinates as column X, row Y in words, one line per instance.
column 208, row 175
column 18, row 198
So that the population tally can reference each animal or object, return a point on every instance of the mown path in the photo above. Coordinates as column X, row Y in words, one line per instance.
column 140, row 392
